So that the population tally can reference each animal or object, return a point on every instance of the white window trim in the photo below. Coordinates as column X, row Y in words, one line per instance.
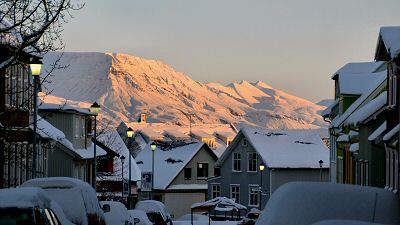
column 233, row 162
column 230, row 192
column 197, row 175
column 248, row 162
column 251, row 186
column 212, row 189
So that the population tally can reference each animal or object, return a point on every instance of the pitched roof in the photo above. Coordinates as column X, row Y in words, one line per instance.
column 358, row 68
column 285, row 148
column 377, row 132
column 168, row 163
column 390, row 36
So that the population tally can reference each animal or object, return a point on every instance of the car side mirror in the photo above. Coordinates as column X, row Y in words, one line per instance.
column 106, row 208
column 135, row 221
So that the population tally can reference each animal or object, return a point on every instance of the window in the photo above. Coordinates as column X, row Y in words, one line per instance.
column 236, row 162
column 188, row 173
column 244, row 142
column 216, row 190
column 202, row 170
column 254, row 195
column 252, row 162
column 235, row 192
column 217, row 171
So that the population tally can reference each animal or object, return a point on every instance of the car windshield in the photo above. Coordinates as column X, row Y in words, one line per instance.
column 16, row 216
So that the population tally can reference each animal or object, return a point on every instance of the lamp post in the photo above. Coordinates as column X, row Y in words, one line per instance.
column 94, row 108
column 262, row 167
column 320, row 169
column 35, row 67
column 130, row 134
column 153, row 149
column 122, row 162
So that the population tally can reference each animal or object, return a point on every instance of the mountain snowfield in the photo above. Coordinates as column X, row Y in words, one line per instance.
column 126, row 85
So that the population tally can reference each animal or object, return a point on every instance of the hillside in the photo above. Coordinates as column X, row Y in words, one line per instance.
column 126, row 85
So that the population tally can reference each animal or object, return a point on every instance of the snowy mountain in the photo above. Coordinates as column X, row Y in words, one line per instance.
column 126, row 85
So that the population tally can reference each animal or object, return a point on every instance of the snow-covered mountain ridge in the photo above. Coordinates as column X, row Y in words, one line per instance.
column 126, row 85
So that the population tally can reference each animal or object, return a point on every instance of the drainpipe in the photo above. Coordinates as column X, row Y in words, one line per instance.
column 270, row 182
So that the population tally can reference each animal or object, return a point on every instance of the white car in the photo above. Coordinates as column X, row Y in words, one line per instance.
column 29, row 206
column 77, row 198
column 116, row 213
column 139, row 217
column 156, row 211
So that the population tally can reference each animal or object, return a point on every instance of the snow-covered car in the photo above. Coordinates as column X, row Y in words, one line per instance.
column 77, row 198
column 139, row 217
column 116, row 213
column 251, row 217
column 28, row 206
column 156, row 211
column 304, row 203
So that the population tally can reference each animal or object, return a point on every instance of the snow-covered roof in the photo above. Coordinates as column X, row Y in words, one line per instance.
column 226, row 134
column 202, row 134
column 152, row 134
column 188, row 187
column 219, row 201
column 285, row 148
column 326, row 112
column 343, row 138
column 88, row 153
column 65, row 108
column 379, row 131
column 391, row 38
column 356, row 84
column 113, row 140
column 358, row 68
column 25, row 197
column 177, row 134
column 168, row 163
column 354, row 147
column 391, row 133
column 76, row 197
column 377, row 81
column 304, row 203
column 367, row 110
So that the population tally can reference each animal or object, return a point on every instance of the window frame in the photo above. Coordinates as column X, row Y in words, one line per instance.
column 245, row 142
column 206, row 171
column 253, row 163
column 184, row 173
column 256, row 193
column 215, row 193
column 239, row 160
column 231, row 193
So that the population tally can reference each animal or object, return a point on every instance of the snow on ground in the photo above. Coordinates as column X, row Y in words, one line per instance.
column 203, row 222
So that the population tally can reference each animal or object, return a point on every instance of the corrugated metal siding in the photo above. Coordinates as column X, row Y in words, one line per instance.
column 180, row 208
column 282, row 176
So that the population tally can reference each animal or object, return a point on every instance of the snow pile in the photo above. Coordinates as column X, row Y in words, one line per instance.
column 288, row 148
column 303, row 203
column 77, row 198
column 126, row 85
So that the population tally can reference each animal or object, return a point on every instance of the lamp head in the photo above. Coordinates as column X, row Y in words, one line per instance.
column 122, row 159
column 153, row 146
column 95, row 108
column 130, row 132
column 262, row 166
column 321, row 163
column 35, row 66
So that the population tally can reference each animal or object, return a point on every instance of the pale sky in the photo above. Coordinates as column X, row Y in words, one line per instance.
column 292, row 45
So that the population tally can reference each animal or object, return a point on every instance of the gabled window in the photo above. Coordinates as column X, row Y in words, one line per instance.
column 244, row 142
column 252, row 162
column 188, row 173
column 202, row 170
column 236, row 162
column 215, row 190
column 392, row 86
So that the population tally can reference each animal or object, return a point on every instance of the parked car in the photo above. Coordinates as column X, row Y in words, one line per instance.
column 196, row 217
column 29, row 206
column 77, row 198
column 156, row 211
column 116, row 213
column 251, row 217
column 139, row 217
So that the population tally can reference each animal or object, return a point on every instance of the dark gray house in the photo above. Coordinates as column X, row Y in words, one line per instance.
column 288, row 155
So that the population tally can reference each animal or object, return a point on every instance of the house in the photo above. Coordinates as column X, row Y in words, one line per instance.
column 388, row 50
column 74, row 150
column 180, row 174
column 176, row 135
column 370, row 79
column 288, row 155
column 205, row 137
column 226, row 136
column 16, row 118
column 109, row 176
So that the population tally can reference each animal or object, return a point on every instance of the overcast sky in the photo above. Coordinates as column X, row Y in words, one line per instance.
column 291, row 45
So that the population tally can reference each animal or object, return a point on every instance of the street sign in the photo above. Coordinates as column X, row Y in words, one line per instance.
column 126, row 187
column 147, row 178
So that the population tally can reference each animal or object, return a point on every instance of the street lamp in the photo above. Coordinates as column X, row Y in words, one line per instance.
column 35, row 68
column 130, row 134
column 262, row 167
column 122, row 162
column 153, row 149
column 320, row 169
column 94, row 108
